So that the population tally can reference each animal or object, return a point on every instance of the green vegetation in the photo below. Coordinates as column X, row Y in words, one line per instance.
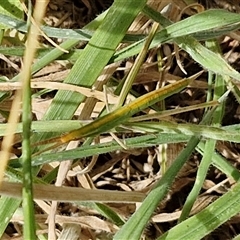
column 109, row 43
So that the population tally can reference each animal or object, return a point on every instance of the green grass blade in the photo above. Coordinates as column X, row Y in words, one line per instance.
column 97, row 53
column 84, row 34
column 136, row 66
column 137, row 222
column 221, row 163
column 148, row 140
column 55, row 53
column 207, row 58
column 219, row 90
column 25, row 76
column 191, row 25
column 57, row 126
column 217, row 133
column 11, row 8
column 175, row 32
column 7, row 209
column 199, row 180
column 210, row 218
column 62, row 126
column 105, row 211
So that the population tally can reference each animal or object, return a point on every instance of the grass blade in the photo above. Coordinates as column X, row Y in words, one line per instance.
column 137, row 222
column 210, row 218
column 135, row 225
column 99, row 50
column 27, row 192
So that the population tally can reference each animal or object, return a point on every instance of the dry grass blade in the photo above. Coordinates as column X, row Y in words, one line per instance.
column 70, row 231
column 61, row 86
column 71, row 194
